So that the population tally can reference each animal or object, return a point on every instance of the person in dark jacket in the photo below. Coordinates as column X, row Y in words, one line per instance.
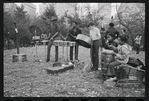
column 112, row 30
column 73, row 32
column 53, row 35
column 103, row 32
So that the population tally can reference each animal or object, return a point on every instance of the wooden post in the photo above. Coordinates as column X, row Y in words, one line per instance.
column 56, row 53
column 16, row 29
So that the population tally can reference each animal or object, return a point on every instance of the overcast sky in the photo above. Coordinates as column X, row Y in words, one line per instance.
column 92, row 4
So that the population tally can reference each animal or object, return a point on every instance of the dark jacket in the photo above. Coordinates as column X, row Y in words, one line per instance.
column 106, row 45
column 54, row 27
column 113, row 31
column 73, row 32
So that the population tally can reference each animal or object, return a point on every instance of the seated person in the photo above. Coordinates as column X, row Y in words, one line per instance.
column 122, row 56
column 110, row 41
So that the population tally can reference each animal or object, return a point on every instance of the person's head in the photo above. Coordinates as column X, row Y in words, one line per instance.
column 124, row 30
column 74, row 23
column 139, row 35
column 111, row 24
column 54, row 18
column 123, row 39
column 90, row 25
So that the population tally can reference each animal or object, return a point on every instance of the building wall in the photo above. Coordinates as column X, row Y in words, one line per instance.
column 10, row 7
column 42, row 8
column 31, row 9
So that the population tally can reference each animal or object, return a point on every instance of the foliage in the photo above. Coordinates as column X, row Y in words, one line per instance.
column 23, row 22
column 132, row 17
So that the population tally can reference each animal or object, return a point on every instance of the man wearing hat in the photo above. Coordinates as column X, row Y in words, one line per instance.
column 53, row 35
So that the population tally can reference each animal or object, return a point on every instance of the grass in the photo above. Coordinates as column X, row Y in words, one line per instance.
column 30, row 79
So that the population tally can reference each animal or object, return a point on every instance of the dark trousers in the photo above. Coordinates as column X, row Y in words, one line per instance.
column 111, row 68
column 137, row 47
column 49, row 49
column 76, row 52
column 132, row 62
column 94, row 53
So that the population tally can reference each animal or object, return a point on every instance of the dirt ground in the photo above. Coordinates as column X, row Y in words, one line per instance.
column 30, row 79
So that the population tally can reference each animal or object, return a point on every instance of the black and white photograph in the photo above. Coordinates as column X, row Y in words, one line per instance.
column 73, row 49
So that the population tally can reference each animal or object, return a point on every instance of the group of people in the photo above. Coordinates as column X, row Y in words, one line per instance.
column 108, row 39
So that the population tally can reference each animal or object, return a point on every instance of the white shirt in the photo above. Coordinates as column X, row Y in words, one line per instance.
column 138, row 40
column 95, row 33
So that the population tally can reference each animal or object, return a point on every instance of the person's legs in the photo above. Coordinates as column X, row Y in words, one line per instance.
column 96, row 54
column 111, row 69
column 49, row 50
column 91, row 54
column 137, row 48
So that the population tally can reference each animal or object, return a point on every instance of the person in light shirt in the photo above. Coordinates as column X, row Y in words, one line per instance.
column 137, row 43
column 95, row 35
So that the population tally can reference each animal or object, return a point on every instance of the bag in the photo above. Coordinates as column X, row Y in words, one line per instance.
column 121, row 73
column 88, row 67
column 135, row 62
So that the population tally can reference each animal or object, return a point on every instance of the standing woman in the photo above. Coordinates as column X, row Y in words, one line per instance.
column 138, row 43
column 95, row 36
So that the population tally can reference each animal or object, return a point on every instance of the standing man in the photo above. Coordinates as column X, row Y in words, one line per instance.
column 112, row 30
column 73, row 32
column 54, row 35
column 138, row 43
column 95, row 36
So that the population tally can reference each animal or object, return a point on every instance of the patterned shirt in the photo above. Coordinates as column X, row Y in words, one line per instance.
column 138, row 40
column 123, row 53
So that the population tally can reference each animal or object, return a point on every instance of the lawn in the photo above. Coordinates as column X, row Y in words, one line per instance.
column 30, row 78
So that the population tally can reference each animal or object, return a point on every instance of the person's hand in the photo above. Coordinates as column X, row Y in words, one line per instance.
column 75, row 37
column 110, row 46
column 51, row 39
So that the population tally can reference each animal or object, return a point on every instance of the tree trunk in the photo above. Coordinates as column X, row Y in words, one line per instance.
column 8, row 44
column 17, row 44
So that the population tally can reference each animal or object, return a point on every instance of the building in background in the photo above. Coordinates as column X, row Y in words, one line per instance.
column 42, row 8
column 10, row 8
column 31, row 9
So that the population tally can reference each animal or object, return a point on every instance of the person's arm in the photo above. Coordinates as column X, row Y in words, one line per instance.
column 117, row 34
column 123, row 55
column 115, row 49
column 98, row 34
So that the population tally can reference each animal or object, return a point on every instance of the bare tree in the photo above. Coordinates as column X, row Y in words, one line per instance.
column 132, row 17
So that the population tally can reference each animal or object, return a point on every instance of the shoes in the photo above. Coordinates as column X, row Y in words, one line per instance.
column 93, row 69
column 112, row 79
column 47, row 60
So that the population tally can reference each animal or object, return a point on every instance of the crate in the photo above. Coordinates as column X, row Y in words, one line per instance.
column 19, row 58
column 134, row 75
column 104, row 67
